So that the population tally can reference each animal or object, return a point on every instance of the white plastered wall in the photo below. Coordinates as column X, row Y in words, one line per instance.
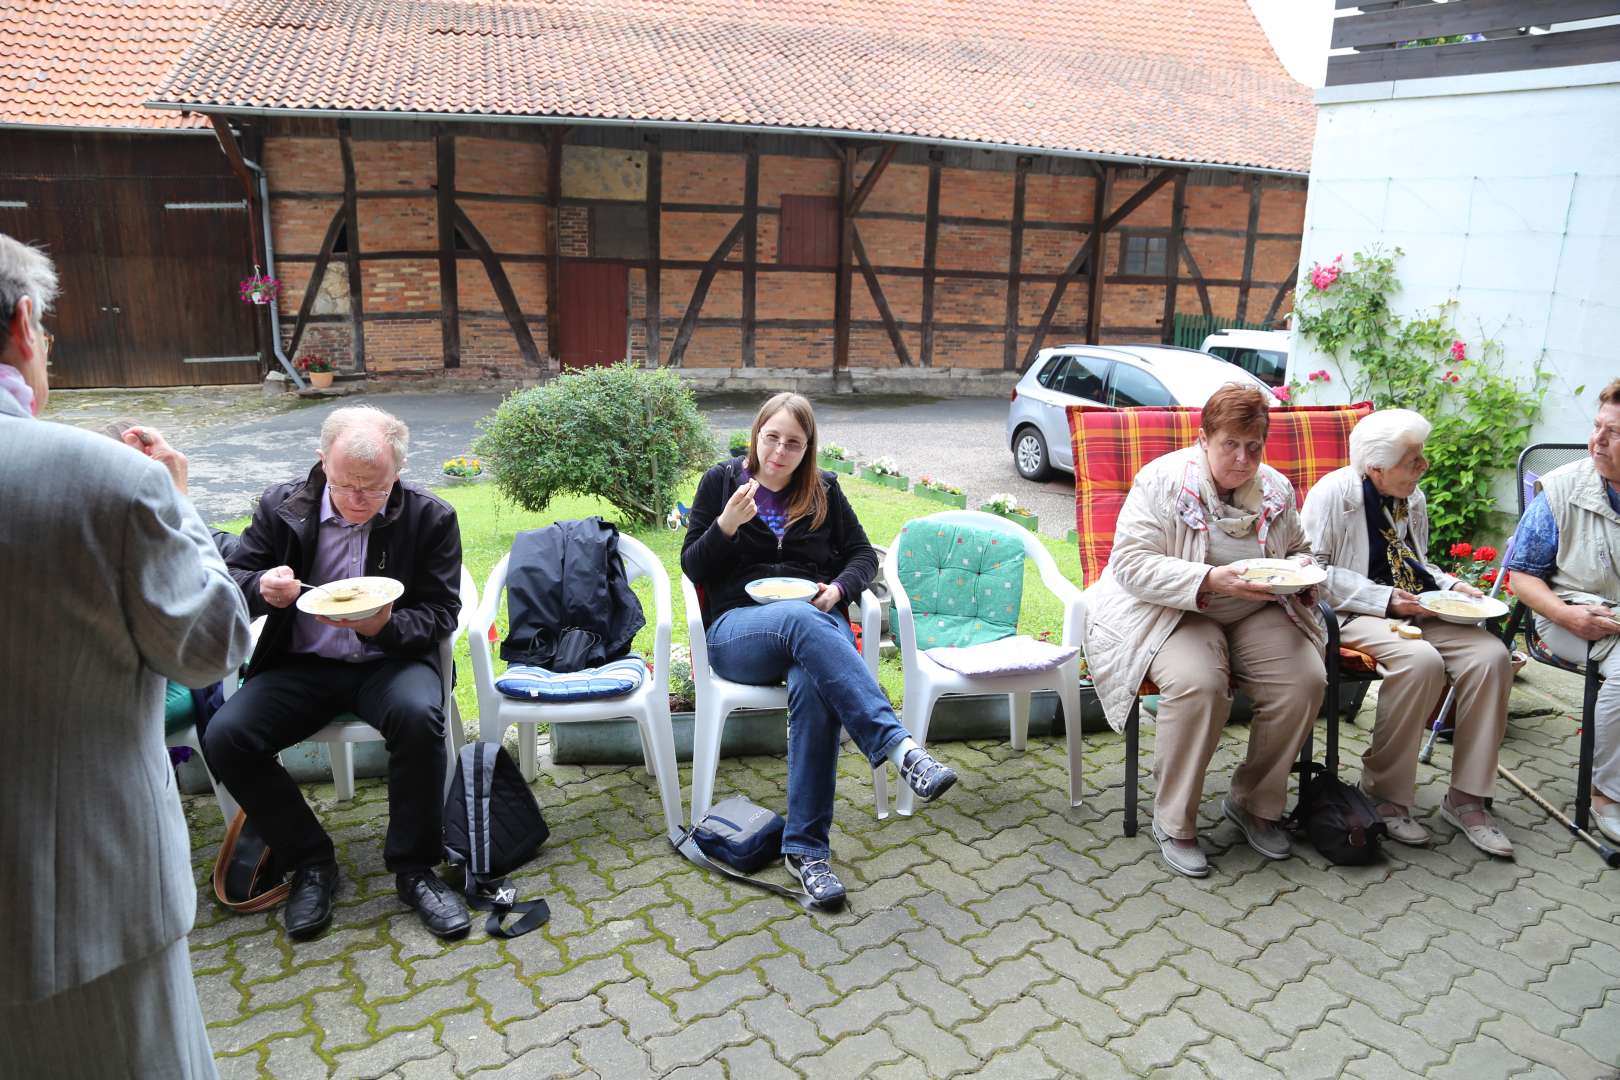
column 1504, row 193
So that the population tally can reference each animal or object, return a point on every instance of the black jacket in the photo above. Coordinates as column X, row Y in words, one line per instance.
column 568, row 601
column 721, row 565
column 414, row 540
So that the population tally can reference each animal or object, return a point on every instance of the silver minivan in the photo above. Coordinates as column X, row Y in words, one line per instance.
column 1117, row 375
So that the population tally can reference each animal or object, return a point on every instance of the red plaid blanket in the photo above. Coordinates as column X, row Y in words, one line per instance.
column 1305, row 443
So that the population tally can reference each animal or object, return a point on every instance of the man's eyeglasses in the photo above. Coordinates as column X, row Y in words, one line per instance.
column 772, row 441
column 369, row 494
column 50, row 338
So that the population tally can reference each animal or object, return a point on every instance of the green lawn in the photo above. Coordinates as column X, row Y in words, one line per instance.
column 488, row 524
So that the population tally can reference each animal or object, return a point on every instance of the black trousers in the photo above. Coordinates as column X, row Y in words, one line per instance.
column 403, row 699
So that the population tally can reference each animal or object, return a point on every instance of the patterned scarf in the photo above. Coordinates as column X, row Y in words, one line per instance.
column 1401, row 559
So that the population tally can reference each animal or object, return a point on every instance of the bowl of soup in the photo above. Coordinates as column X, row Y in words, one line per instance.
column 1280, row 577
column 774, row 590
column 351, row 599
column 1454, row 607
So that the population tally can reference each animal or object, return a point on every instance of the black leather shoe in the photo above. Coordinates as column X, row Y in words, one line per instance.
column 442, row 909
column 309, row 904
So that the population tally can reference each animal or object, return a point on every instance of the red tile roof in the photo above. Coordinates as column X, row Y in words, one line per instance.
column 83, row 63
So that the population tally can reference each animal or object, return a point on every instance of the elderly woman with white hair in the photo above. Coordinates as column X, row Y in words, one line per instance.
column 1369, row 527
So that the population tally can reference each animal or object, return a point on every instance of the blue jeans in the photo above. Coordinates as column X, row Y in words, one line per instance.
column 828, row 687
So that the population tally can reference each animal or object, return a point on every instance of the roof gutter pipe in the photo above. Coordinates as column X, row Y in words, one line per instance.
column 698, row 125
column 270, row 269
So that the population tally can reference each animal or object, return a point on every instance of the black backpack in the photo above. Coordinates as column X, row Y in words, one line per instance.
column 492, row 826
column 1342, row 823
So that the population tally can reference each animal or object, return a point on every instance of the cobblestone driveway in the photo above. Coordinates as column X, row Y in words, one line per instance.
column 995, row 934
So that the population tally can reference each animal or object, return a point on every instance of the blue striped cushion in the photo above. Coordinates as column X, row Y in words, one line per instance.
column 615, row 679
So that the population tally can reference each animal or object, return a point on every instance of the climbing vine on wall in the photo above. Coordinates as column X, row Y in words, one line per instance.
column 1482, row 415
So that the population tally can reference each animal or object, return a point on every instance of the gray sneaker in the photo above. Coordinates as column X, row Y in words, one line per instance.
column 1266, row 837
column 1183, row 860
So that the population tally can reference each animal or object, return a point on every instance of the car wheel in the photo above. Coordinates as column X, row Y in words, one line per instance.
column 1029, row 455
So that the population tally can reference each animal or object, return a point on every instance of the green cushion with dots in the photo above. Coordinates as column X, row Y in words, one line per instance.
column 965, row 583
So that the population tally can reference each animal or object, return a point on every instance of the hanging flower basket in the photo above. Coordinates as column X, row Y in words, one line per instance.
column 259, row 288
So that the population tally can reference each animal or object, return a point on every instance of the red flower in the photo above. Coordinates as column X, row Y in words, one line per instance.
column 1461, row 551
column 1282, row 393
column 1489, row 576
column 1459, row 351
column 1485, row 554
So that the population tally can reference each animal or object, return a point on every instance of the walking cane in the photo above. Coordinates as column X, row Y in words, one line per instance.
column 1451, row 691
column 1610, row 856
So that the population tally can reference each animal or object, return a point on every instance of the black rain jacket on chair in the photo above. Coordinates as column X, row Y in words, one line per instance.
column 568, row 601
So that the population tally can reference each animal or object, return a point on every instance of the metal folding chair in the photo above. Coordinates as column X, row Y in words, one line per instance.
column 1535, row 462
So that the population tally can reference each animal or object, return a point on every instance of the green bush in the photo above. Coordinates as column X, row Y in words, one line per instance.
column 738, row 441
column 622, row 433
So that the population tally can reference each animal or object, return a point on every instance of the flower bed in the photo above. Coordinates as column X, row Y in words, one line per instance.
column 885, row 472
column 835, row 459
column 940, row 492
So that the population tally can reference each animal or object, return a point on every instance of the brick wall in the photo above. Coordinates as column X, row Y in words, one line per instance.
column 501, row 188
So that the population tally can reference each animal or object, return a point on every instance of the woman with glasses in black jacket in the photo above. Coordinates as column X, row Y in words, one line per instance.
column 774, row 513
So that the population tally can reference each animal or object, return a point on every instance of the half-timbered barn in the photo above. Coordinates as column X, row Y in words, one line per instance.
column 902, row 195
column 147, row 226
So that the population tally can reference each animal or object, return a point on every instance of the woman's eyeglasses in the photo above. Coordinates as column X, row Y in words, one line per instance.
column 773, row 441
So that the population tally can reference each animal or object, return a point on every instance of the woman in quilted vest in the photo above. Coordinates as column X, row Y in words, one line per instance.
column 1564, row 569
column 774, row 513
column 1369, row 526
column 1171, row 608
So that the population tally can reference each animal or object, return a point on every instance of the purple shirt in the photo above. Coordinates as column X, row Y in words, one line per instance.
column 340, row 552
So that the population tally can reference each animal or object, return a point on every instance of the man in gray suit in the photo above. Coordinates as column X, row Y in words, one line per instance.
column 111, row 585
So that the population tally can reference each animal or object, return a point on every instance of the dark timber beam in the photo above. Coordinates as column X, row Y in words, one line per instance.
column 869, row 181
column 449, row 299
column 554, row 152
column 655, row 203
column 317, row 272
column 500, row 283
column 1015, row 262
column 889, row 324
column 1253, row 183
column 700, row 292
column 1087, row 258
column 1172, row 259
column 1094, row 272
column 846, row 233
column 936, row 159
column 750, row 241
column 351, row 250
column 1198, row 281
column 233, row 157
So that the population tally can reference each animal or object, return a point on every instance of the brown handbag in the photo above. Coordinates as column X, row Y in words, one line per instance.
column 248, row 876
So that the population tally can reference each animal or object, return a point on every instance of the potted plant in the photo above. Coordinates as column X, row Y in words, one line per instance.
column 1004, row 505
column 318, row 368
column 940, row 492
column 259, row 288
column 835, row 458
column 884, row 471
column 739, row 443
column 464, row 468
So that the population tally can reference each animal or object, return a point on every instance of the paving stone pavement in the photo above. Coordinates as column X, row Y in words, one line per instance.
column 997, row 933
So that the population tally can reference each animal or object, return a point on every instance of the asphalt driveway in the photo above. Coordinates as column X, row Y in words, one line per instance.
column 240, row 441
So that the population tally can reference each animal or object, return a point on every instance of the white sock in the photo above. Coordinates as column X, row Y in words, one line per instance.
column 901, row 749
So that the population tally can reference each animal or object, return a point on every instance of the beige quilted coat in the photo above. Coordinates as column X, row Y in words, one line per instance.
column 1157, row 566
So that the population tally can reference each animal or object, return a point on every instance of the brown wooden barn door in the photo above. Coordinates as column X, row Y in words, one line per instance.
column 184, row 244
column 595, row 314
column 149, row 270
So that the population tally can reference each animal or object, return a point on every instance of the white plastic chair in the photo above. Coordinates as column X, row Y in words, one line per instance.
column 648, row 705
column 718, row 698
column 928, row 682
column 342, row 733
column 188, row 737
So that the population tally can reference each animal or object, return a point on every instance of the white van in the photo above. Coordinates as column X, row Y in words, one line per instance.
column 1262, row 353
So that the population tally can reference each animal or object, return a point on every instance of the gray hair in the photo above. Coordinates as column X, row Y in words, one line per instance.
column 1384, row 437
column 364, row 430
column 25, row 270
